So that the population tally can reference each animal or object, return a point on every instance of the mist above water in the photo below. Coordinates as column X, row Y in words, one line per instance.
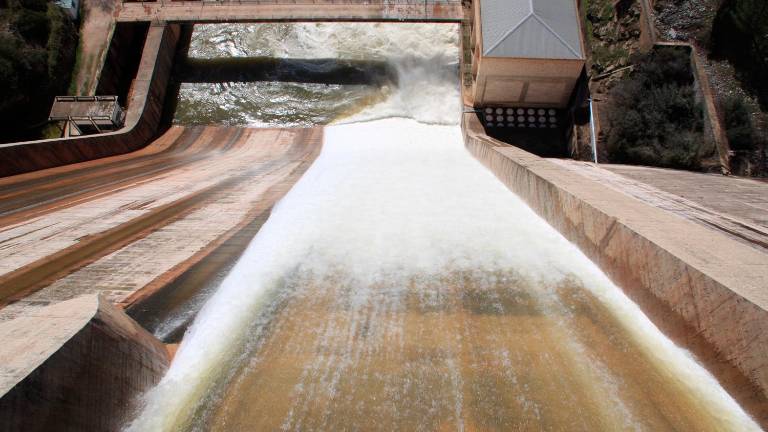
column 400, row 286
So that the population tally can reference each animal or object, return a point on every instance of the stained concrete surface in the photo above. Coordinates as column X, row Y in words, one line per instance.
column 128, row 225
column 320, row 10
column 735, row 206
column 55, row 362
column 740, row 197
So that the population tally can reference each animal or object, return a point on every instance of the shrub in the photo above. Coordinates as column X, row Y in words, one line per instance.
column 60, row 44
column 654, row 117
column 738, row 125
column 32, row 25
column 35, row 5
column 37, row 45
column 740, row 34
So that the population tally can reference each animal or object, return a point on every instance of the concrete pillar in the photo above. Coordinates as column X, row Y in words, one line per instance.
column 78, row 365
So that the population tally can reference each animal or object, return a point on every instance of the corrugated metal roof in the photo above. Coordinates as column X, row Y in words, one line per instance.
column 531, row 29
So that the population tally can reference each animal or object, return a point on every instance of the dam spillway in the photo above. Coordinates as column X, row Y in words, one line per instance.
column 423, row 295
column 398, row 285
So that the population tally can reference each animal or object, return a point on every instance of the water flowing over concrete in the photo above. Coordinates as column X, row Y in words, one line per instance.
column 400, row 286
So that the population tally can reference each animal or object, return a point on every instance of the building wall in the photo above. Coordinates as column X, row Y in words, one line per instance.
column 525, row 82
column 519, row 81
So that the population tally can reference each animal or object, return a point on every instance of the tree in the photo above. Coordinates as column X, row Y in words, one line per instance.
column 740, row 34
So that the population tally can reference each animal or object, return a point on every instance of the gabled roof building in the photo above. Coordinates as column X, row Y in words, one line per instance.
column 526, row 52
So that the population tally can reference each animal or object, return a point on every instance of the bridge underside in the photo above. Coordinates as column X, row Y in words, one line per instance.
column 210, row 12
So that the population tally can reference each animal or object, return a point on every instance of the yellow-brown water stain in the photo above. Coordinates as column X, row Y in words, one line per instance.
column 464, row 351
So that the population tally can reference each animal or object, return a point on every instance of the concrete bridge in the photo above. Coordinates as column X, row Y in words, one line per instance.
column 293, row 11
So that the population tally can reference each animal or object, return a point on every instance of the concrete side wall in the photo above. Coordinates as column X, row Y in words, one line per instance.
column 648, row 36
column 525, row 82
column 88, row 381
column 705, row 290
column 142, row 119
column 712, row 126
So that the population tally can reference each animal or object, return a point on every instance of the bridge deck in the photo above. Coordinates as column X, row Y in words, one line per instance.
column 210, row 12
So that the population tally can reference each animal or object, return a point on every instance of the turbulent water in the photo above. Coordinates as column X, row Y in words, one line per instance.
column 275, row 103
column 400, row 286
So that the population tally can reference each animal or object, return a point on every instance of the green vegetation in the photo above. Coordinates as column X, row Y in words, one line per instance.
column 37, row 47
column 739, row 126
column 606, row 34
column 654, row 117
column 740, row 34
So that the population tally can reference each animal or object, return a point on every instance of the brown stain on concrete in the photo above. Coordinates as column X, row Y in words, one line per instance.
column 449, row 352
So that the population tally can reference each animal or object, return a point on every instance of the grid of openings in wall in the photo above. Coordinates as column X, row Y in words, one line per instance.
column 531, row 118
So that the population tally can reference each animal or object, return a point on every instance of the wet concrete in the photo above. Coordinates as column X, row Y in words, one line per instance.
column 465, row 351
column 704, row 289
column 169, row 312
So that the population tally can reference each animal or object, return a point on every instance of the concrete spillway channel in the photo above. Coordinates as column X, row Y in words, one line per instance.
column 399, row 286
column 113, row 225
column 126, row 226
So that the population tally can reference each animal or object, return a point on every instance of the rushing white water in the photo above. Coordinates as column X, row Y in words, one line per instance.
column 397, row 200
column 424, row 55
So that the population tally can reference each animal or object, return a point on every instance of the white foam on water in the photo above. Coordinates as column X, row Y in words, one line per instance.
column 425, row 56
column 398, row 198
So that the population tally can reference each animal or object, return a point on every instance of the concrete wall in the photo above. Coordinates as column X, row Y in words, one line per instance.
column 76, row 366
column 703, row 289
column 141, row 125
column 122, row 60
column 712, row 126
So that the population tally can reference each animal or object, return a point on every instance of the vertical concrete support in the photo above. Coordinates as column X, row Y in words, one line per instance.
column 703, row 289
column 75, row 366
column 712, row 126
column 141, row 124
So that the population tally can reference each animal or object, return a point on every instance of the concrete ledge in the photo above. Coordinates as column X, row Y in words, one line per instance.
column 141, row 124
column 692, row 281
column 75, row 366
column 318, row 10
